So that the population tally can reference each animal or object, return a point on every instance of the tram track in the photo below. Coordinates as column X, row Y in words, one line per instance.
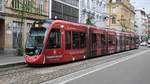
column 14, row 69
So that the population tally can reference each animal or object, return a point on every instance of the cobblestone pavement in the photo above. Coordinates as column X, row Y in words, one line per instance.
column 35, row 75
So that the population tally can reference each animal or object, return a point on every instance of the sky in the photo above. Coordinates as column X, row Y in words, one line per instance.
column 142, row 4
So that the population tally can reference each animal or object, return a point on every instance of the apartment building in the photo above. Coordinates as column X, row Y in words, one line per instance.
column 141, row 23
column 11, row 12
column 121, row 15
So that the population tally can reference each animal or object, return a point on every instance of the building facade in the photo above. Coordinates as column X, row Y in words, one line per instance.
column 121, row 15
column 148, row 29
column 12, row 24
column 64, row 9
column 2, row 33
column 94, row 9
column 141, row 20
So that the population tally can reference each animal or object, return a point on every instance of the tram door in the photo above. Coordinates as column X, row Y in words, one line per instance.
column 104, row 44
column 93, row 45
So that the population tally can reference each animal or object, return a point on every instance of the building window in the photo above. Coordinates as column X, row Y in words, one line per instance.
column 15, row 4
column 64, row 12
column 88, row 4
column 1, row 1
column 41, row 6
column 26, row 5
column 114, row 10
column 1, row 5
column 113, row 20
column 83, row 3
column 113, row 1
column 16, row 30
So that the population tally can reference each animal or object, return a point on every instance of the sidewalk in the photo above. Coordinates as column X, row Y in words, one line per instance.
column 10, row 60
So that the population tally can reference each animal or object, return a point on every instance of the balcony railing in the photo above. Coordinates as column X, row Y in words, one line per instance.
column 29, row 7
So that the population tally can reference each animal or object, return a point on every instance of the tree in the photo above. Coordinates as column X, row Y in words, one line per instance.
column 122, row 22
column 89, row 21
column 23, row 7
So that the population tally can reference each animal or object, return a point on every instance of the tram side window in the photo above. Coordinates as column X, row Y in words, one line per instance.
column 75, row 37
column 55, row 39
column 110, row 42
column 120, row 40
column 123, row 40
column 99, row 41
column 102, row 40
column 133, row 41
column 94, row 40
column 129, row 40
column 68, row 39
column 113, row 40
column 82, row 40
column 126, row 40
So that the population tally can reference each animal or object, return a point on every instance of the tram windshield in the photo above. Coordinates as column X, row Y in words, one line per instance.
column 36, row 37
column 34, row 43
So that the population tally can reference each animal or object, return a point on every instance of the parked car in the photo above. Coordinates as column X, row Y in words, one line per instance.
column 148, row 45
column 143, row 43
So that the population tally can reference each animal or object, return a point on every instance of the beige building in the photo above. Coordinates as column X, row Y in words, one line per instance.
column 10, row 22
column 121, row 15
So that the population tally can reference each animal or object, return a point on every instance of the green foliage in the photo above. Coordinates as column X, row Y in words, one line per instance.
column 148, row 37
column 20, row 51
column 22, row 9
column 89, row 21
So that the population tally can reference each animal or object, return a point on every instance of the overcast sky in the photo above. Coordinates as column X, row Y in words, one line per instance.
column 140, row 4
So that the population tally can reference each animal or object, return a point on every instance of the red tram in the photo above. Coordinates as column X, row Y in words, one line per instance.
column 57, row 41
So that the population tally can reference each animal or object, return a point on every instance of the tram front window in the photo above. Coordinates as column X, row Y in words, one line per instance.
column 35, row 40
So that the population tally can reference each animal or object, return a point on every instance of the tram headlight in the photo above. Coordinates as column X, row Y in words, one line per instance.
column 37, row 51
column 31, row 53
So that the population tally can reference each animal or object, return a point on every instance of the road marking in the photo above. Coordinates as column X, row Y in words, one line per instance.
column 79, row 74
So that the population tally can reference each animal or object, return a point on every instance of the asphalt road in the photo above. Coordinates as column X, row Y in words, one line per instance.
column 132, row 69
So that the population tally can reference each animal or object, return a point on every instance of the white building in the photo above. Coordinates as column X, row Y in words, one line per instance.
column 141, row 23
column 96, row 9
